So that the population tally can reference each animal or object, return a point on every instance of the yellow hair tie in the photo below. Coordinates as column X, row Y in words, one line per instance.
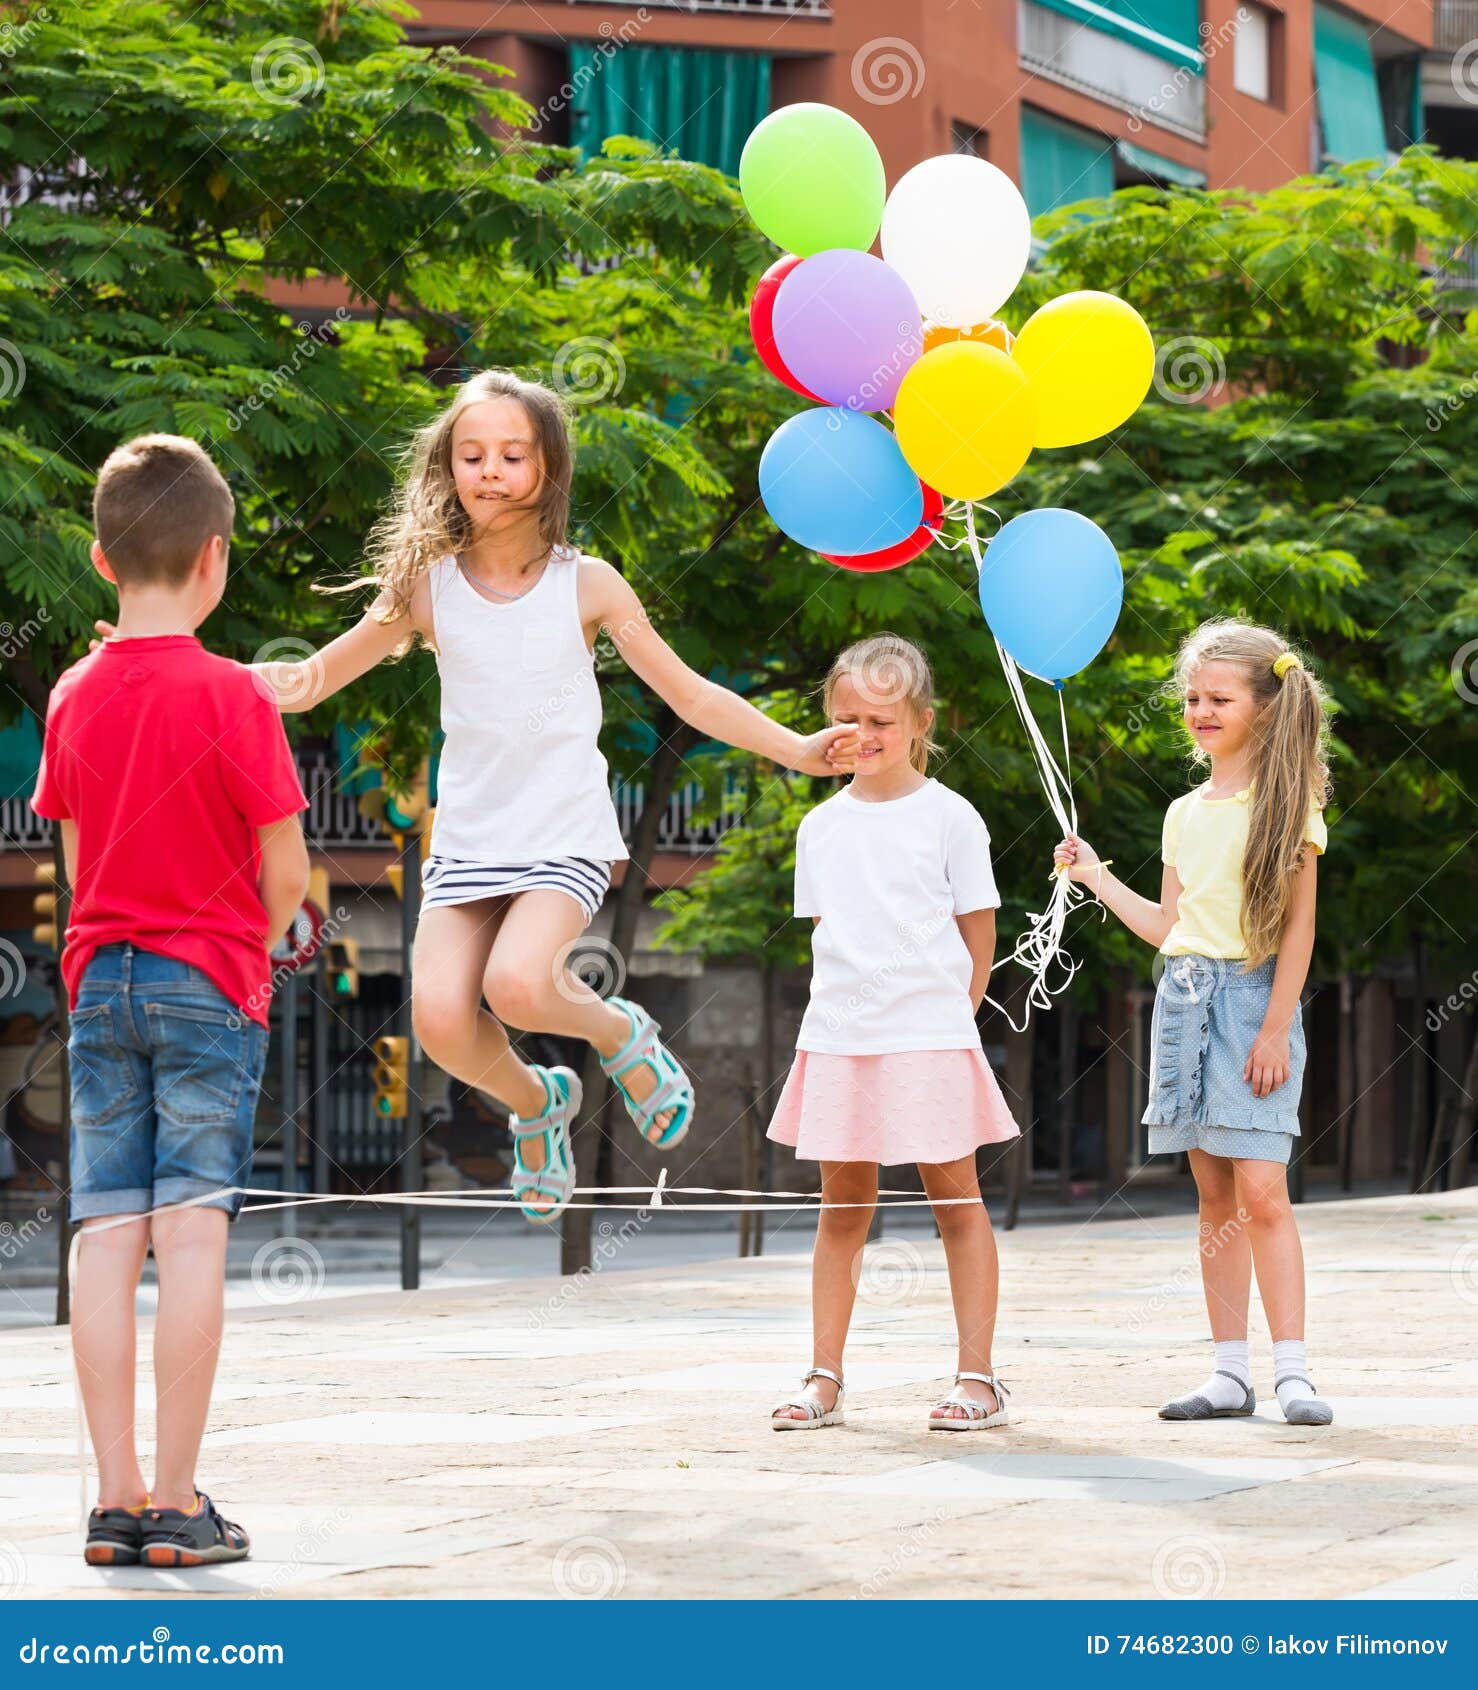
column 1289, row 660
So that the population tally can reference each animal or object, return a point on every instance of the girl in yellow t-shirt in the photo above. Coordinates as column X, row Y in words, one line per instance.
column 1235, row 928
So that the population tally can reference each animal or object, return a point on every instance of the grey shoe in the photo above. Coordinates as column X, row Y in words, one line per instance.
column 1311, row 1410
column 1197, row 1407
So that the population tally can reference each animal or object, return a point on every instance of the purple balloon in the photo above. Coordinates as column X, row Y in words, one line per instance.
column 847, row 326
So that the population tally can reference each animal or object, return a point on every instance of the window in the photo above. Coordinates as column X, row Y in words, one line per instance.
column 966, row 138
column 1252, row 53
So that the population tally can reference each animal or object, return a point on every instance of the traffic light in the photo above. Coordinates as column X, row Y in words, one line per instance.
column 343, row 968
column 43, row 907
column 319, row 891
column 392, row 1077
column 395, row 873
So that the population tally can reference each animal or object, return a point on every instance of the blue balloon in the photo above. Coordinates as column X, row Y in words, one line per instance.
column 835, row 481
column 1051, row 588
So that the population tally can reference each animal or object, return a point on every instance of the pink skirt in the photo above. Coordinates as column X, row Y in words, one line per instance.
column 908, row 1106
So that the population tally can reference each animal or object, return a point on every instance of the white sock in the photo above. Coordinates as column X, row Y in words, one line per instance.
column 1234, row 1357
column 1291, row 1372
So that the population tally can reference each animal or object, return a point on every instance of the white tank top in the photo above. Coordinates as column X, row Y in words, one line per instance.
column 522, row 778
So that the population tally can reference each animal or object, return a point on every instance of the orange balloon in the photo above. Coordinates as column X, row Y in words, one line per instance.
column 989, row 333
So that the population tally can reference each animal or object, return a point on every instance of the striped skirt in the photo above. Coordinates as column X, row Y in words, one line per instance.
column 449, row 880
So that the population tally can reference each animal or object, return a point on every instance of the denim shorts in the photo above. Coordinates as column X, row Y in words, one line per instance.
column 165, row 1073
column 1207, row 1013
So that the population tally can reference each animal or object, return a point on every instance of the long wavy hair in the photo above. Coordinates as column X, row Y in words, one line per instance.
column 427, row 522
column 884, row 668
column 1290, row 766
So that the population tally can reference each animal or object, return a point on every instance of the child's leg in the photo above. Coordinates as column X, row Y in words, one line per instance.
column 970, row 1252
column 1226, row 1279
column 190, row 1256
column 1262, row 1195
column 836, row 1265
column 528, row 985
column 103, row 1336
column 1226, row 1258
column 456, row 1032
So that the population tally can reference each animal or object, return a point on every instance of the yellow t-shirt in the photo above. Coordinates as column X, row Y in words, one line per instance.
column 1204, row 841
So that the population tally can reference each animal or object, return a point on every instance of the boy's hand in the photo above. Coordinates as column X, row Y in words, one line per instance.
column 1267, row 1066
column 831, row 751
column 106, row 629
column 1077, row 855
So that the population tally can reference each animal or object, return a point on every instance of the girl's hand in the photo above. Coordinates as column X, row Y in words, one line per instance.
column 1078, row 856
column 831, row 751
column 1267, row 1066
column 106, row 629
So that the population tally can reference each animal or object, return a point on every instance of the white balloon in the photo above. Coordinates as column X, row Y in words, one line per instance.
column 957, row 230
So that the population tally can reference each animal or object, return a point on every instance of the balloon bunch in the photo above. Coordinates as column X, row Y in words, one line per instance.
column 912, row 338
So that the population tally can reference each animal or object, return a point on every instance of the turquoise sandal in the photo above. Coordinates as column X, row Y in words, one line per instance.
column 673, row 1090
column 556, row 1179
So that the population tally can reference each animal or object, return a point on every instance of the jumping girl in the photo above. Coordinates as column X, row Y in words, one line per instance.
column 1235, row 925
column 894, row 871
column 475, row 560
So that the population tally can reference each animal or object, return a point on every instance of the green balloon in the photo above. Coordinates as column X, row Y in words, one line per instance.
column 812, row 179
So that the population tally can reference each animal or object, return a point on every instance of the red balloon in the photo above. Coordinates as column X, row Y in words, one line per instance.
column 761, row 313
column 891, row 557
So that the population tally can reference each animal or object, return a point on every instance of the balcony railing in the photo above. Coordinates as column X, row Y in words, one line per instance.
column 1454, row 25
column 333, row 821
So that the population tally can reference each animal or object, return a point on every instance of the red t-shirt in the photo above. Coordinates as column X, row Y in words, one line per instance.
column 169, row 759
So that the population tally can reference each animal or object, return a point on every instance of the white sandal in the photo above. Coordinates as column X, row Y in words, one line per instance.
column 977, row 1417
column 816, row 1415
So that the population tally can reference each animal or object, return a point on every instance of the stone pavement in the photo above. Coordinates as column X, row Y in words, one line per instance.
column 609, row 1435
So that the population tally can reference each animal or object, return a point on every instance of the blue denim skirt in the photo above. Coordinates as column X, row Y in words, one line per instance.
column 1207, row 1013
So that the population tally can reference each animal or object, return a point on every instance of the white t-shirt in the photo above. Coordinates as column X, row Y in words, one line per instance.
column 890, row 968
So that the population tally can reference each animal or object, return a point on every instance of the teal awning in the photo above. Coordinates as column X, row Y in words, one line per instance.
column 1349, row 96
column 1061, row 164
column 703, row 104
column 1155, row 164
column 1170, row 29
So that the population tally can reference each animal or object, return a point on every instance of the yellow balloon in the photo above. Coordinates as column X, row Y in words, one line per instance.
column 1089, row 359
column 965, row 419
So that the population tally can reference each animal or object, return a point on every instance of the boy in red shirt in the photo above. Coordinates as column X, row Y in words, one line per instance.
column 169, row 774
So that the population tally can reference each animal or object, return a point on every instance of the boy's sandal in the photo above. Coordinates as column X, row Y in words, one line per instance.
column 201, row 1538
column 816, row 1415
column 555, row 1181
column 673, row 1090
column 114, row 1537
column 977, row 1416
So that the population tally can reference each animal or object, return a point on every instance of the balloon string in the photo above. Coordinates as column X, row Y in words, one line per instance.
column 1041, row 945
